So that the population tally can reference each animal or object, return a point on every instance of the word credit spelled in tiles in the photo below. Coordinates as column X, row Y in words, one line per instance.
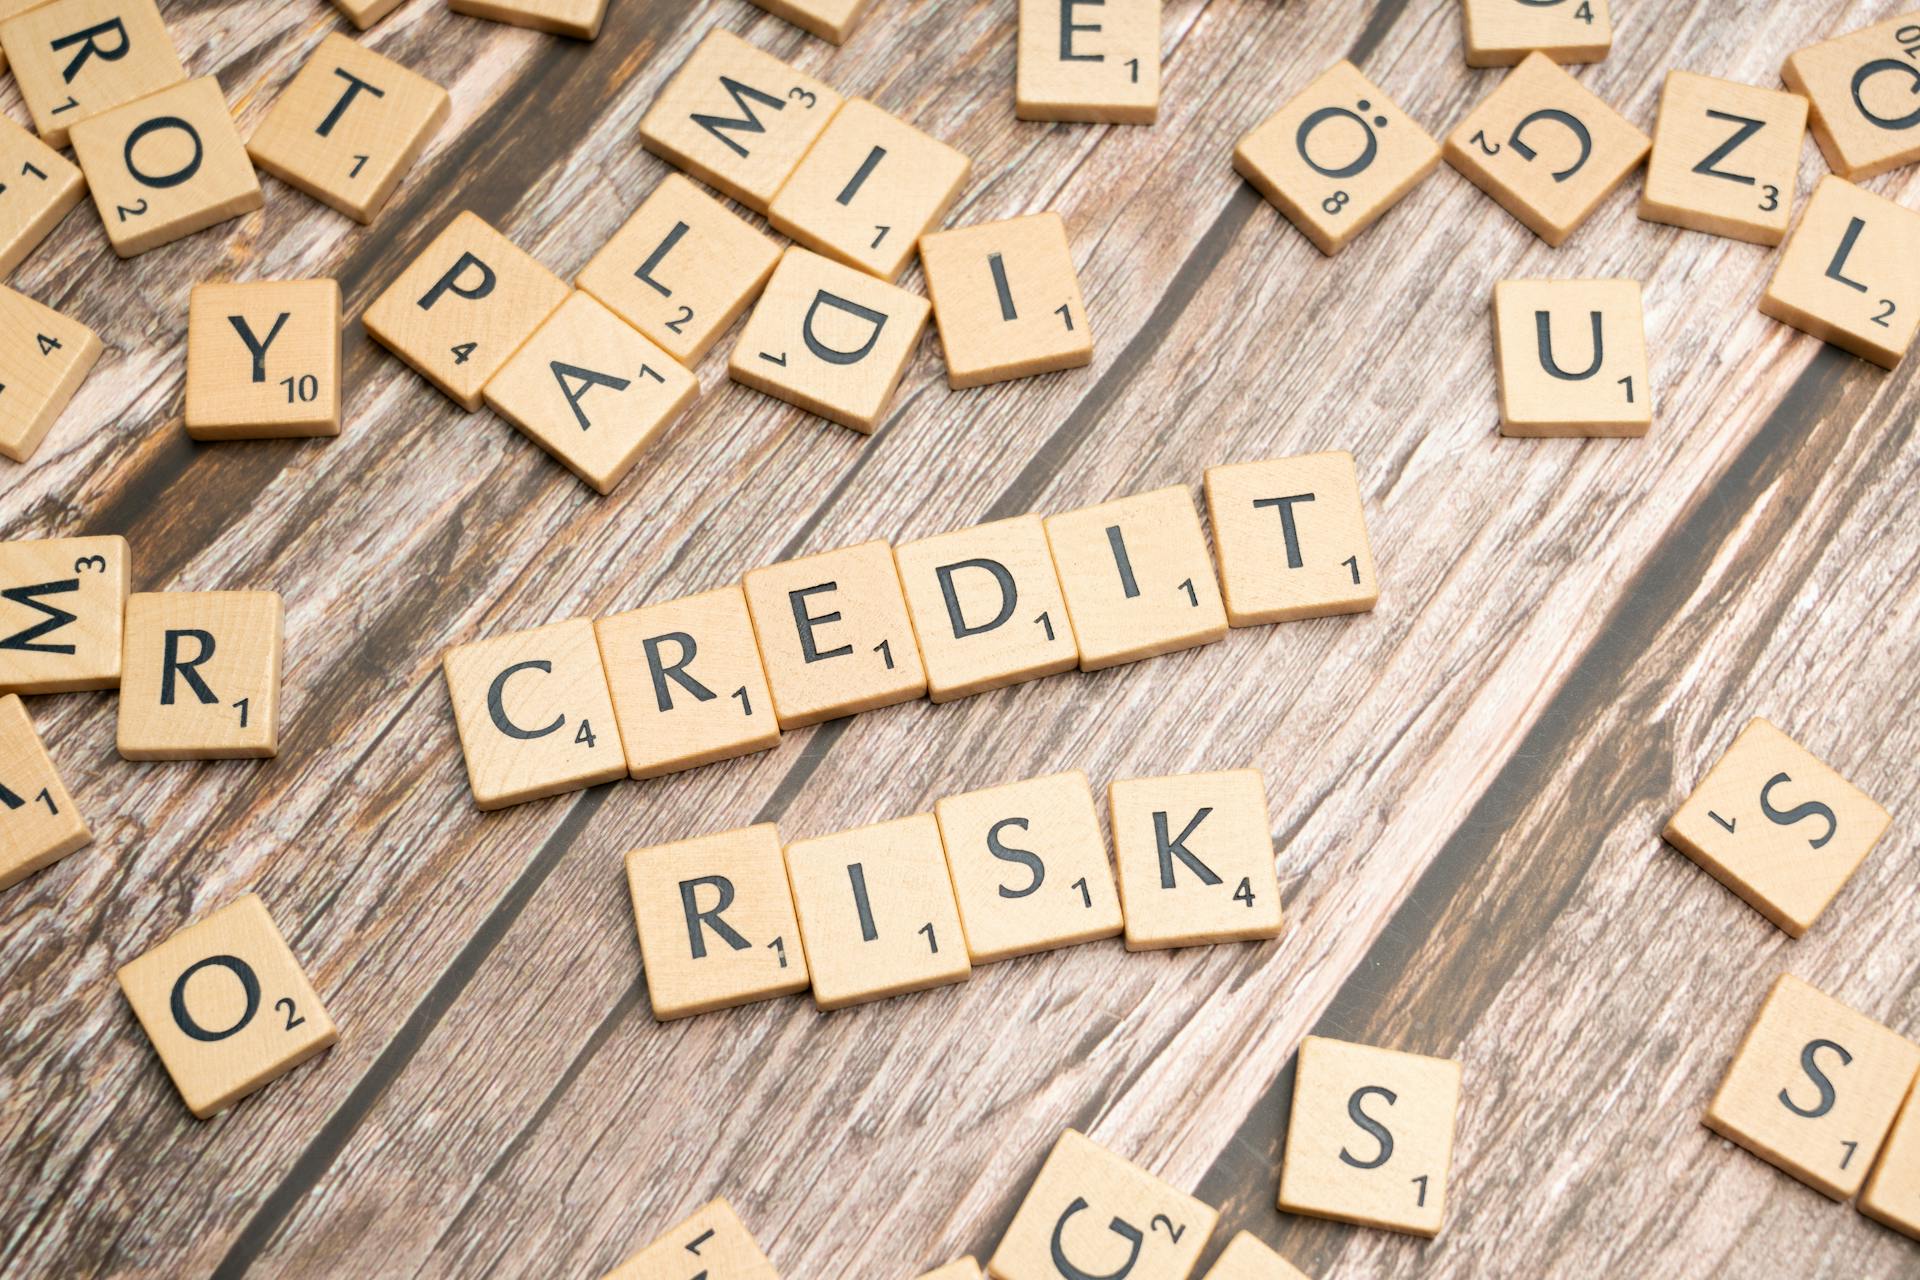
column 877, row 912
column 1091, row 1213
column 1336, row 157
column 1778, row 827
column 226, row 1005
column 39, row 823
column 1726, row 158
column 1093, row 61
column 263, row 360
column 1195, row 858
column 200, row 678
column 1546, row 149
column 1892, row 1194
column 713, row 1243
column 1571, row 356
column 737, row 118
column 74, row 59
column 1500, row 33
column 1864, row 91
column 62, row 605
column 1849, row 274
column 580, row 19
column 1814, row 1088
column 1291, row 536
column 716, row 922
column 348, row 126
column 38, row 187
column 831, row 20
column 1370, row 1136
column 1006, row 300
column 1246, row 1257
column 44, row 357
column 1137, row 577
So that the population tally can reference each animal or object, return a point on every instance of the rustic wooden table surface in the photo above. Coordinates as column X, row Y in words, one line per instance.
column 1467, row 783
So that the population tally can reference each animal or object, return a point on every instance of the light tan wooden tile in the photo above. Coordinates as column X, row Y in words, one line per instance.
column 534, row 715
column 986, row 607
column 1137, row 577
column 1500, row 33
column 166, row 166
column 1291, row 537
column 463, row 307
column 1862, row 87
column 226, row 1005
column 1571, row 356
column 263, row 360
column 1892, row 1194
column 1029, row 866
column 74, row 59
column 688, row 688
column 577, row 18
column 1246, row 1257
column 1370, row 1136
column 44, row 357
column 716, row 922
column 737, row 118
column 39, row 822
column 1195, row 856
column 1546, row 149
column 831, row 20
column 1088, row 60
column 1849, row 275
column 868, row 188
column 38, row 187
column 1007, row 300
column 1814, row 1087
column 834, row 634
column 830, row 339
column 62, row 603
column 1726, row 158
column 713, row 1242
column 200, row 675
column 959, row 1269
column 682, row 269
column 1336, row 157
column 1777, row 826
column 877, row 912
column 591, row 390
column 364, row 13
column 1102, row 1216
column 348, row 126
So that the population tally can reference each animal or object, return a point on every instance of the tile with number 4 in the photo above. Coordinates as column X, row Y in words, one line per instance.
column 1006, row 300
column 1137, row 577
column 1726, row 158
column 44, row 357
column 1088, row 60
column 1246, row 1257
column 38, row 187
column 1849, row 275
column 1195, row 857
column 1572, row 358
column 1291, row 537
column 200, row 676
column 1864, row 91
column 263, row 360
column 74, row 59
column 713, row 1242
column 62, row 605
column 39, row 822
column 1500, row 33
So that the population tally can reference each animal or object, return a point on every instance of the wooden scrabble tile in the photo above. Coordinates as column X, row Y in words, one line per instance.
column 1336, row 157
column 868, row 188
column 1195, row 856
column 1137, row 578
column 44, row 357
column 1865, row 94
column 38, row 187
column 1814, row 1087
column 986, row 607
column 364, row 13
column 831, row 20
column 713, row 1243
column 577, row 18
column 1248, row 1258
column 12, row 9
column 688, row 688
column 263, row 360
column 39, row 822
column 463, row 307
column 681, row 270
column 960, row 1269
column 1849, row 275
column 166, row 166
column 830, row 339
column 737, row 118
column 716, row 922
column 1547, row 150
column 1778, row 827
column 1291, row 536
column 834, row 634
column 200, row 675
column 1099, row 1215
column 1088, row 60
column 1006, row 300
column 226, row 1005
column 1500, row 33
column 534, row 715
column 1726, row 158
column 348, row 126
column 591, row 390
column 1892, row 1194
column 1370, row 1137
column 1572, row 358
column 1029, row 867
column 74, row 59
column 877, row 912
column 62, row 602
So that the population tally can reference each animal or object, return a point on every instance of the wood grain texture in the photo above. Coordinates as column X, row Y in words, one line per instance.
column 1466, row 783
